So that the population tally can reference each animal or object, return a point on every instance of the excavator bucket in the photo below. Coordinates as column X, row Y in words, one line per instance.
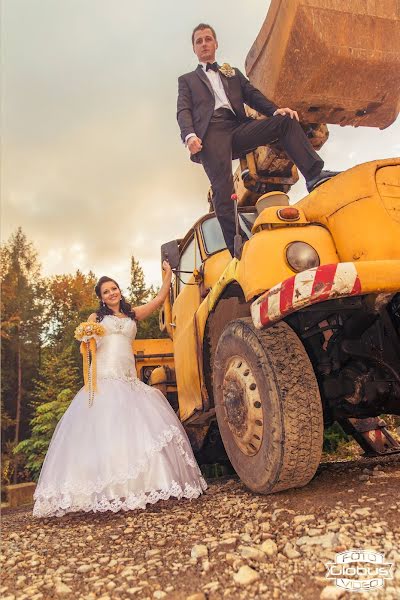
column 334, row 61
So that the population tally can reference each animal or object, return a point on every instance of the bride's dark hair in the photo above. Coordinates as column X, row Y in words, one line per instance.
column 103, row 309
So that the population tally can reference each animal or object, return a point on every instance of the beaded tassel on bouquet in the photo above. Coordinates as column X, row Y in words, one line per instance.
column 88, row 333
column 88, row 351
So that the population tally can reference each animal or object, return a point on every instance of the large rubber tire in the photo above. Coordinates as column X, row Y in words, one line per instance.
column 286, row 431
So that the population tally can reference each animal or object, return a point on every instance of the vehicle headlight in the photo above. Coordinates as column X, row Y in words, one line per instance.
column 301, row 256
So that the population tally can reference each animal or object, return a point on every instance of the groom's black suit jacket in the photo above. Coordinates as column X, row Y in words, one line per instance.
column 196, row 101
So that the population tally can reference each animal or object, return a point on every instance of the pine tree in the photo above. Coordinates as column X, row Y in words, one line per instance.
column 57, row 373
column 55, row 387
column 7, row 456
column 23, row 312
column 43, row 424
column 138, row 293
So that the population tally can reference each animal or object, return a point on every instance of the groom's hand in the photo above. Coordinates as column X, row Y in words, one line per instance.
column 287, row 111
column 194, row 144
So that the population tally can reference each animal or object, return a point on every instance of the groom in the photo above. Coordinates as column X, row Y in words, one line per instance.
column 215, row 128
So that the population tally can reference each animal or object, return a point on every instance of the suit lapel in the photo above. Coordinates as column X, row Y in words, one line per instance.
column 200, row 72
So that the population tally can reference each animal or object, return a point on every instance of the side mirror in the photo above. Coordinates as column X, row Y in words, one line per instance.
column 170, row 252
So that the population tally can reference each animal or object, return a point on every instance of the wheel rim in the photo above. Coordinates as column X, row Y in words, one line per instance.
column 242, row 406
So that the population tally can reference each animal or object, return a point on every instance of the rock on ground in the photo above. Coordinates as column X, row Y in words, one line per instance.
column 229, row 544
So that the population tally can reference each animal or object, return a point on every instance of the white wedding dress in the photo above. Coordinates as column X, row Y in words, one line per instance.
column 125, row 451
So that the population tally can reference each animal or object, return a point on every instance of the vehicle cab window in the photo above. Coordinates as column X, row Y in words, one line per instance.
column 190, row 259
column 212, row 233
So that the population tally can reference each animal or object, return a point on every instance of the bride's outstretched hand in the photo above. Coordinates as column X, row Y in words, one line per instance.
column 167, row 268
column 144, row 311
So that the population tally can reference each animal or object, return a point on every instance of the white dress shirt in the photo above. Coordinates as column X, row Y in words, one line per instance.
column 221, row 99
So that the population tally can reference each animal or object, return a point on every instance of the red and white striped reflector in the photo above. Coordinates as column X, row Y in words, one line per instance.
column 306, row 288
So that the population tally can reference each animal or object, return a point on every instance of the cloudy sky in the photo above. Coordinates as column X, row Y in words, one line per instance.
column 92, row 165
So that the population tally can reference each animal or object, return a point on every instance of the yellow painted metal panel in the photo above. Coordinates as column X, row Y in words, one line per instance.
column 263, row 262
column 379, row 276
column 214, row 266
column 388, row 185
column 186, row 350
column 351, row 206
column 270, row 216
column 153, row 346
column 148, row 353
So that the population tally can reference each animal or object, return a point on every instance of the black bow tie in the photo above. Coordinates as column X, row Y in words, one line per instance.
column 213, row 66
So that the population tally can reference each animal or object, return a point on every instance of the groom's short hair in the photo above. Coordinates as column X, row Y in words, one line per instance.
column 201, row 26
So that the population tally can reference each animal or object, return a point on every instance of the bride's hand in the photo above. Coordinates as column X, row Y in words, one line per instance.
column 167, row 268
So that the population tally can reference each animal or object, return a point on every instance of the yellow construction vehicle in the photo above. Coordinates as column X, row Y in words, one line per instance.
column 302, row 327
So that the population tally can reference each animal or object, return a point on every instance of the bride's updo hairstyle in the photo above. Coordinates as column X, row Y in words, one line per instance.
column 103, row 309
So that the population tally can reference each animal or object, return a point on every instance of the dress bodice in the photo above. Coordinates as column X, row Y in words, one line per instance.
column 115, row 357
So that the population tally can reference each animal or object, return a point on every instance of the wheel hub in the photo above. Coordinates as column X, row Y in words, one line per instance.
column 242, row 405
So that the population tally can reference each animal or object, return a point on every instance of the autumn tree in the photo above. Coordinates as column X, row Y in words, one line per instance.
column 22, row 321
column 70, row 299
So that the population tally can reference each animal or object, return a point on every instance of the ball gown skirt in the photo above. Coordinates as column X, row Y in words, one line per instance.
column 125, row 451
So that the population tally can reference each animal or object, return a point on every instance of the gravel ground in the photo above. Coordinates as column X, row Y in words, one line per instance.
column 229, row 543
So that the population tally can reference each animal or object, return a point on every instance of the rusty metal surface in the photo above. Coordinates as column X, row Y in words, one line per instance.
column 269, row 168
column 334, row 61
column 372, row 435
column 242, row 404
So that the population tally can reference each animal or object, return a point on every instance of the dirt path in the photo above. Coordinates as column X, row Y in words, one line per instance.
column 227, row 544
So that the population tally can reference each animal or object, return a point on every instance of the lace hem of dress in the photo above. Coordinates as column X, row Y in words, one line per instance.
column 59, row 506
column 95, row 487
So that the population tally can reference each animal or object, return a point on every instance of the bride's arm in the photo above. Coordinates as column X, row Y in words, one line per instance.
column 92, row 318
column 144, row 311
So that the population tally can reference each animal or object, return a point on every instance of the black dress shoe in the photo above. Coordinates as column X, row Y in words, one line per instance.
column 319, row 179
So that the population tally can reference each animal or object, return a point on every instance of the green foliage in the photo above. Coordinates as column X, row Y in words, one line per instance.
column 43, row 424
column 58, row 372
column 7, row 457
column 22, row 323
column 150, row 329
column 334, row 436
column 8, row 463
column 137, row 290
column 57, row 382
column 38, row 319
column 140, row 294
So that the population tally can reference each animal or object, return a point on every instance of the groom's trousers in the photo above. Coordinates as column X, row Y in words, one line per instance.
column 227, row 138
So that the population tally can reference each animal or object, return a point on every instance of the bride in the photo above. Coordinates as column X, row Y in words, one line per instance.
column 127, row 449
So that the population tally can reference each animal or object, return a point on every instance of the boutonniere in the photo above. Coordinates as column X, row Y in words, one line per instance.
column 227, row 70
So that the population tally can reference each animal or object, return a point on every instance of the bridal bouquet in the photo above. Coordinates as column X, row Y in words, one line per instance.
column 87, row 330
column 88, row 334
